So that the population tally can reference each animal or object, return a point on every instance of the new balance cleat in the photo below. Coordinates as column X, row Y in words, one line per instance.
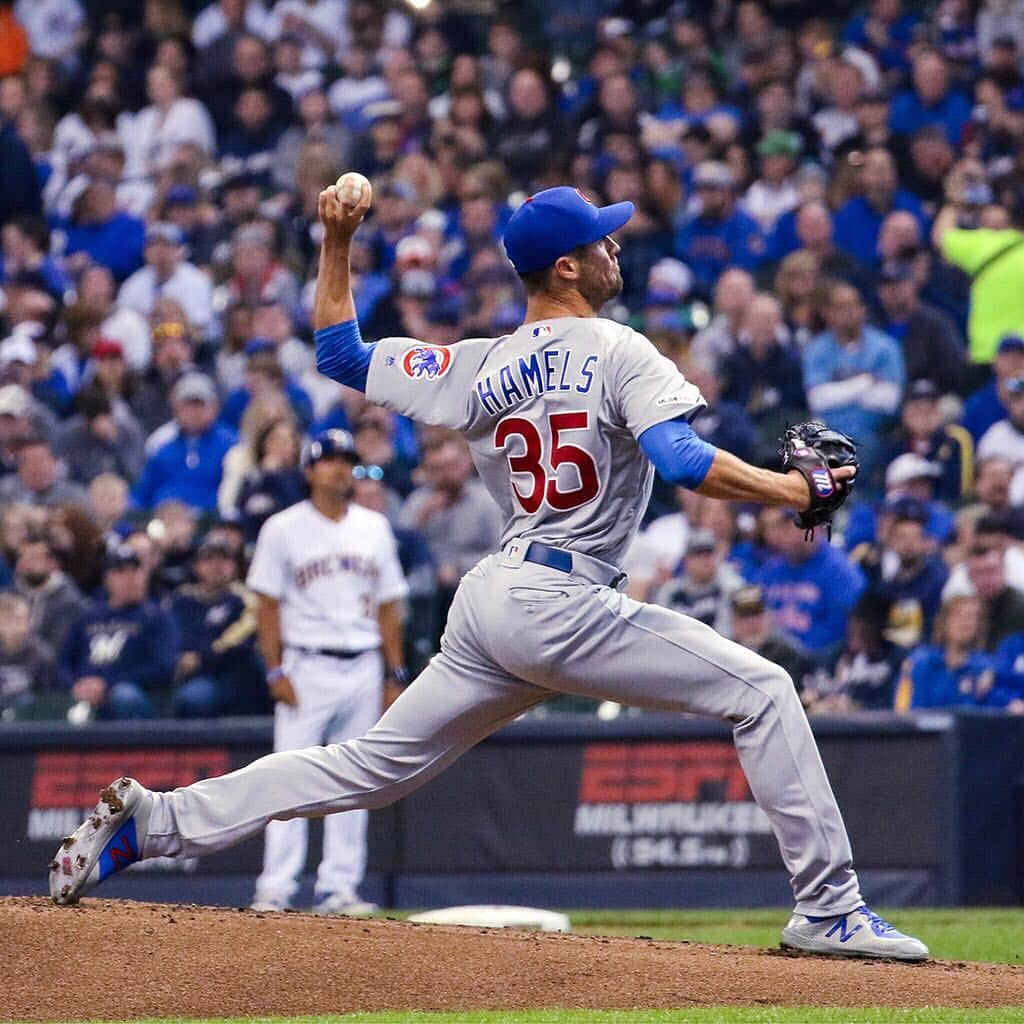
column 858, row 933
column 108, row 840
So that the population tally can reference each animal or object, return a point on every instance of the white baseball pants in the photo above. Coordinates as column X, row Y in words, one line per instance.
column 338, row 700
column 518, row 633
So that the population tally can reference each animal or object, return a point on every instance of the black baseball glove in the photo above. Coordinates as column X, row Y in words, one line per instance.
column 814, row 450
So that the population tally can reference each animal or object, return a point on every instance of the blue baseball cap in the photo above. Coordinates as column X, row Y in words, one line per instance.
column 556, row 221
column 329, row 444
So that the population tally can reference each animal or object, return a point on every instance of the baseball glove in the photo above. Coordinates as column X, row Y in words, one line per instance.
column 814, row 450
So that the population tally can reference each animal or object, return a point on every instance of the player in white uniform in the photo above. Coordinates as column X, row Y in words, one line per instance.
column 329, row 584
column 564, row 418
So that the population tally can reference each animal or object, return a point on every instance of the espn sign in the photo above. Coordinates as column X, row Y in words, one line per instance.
column 73, row 778
column 656, row 773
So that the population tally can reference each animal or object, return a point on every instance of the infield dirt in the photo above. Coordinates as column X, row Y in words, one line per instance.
column 113, row 959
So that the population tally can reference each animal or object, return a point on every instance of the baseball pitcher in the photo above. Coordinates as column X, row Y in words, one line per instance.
column 566, row 418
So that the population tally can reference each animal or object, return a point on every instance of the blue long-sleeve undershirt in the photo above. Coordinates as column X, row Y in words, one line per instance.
column 342, row 355
column 678, row 454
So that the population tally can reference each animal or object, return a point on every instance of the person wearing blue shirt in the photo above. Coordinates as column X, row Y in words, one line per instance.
column 885, row 31
column 721, row 235
column 101, row 232
column 953, row 672
column 188, row 466
column 263, row 374
column 809, row 585
column 853, row 374
column 122, row 647
column 859, row 220
column 930, row 101
column 1008, row 691
column 988, row 405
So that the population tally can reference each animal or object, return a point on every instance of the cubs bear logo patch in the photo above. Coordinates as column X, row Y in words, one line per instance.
column 426, row 362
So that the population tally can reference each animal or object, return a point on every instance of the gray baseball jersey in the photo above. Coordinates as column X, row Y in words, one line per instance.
column 551, row 413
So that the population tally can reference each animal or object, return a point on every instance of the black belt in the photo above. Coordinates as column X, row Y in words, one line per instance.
column 332, row 652
column 556, row 558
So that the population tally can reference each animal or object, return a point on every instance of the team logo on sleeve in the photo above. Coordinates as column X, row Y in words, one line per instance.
column 822, row 482
column 426, row 362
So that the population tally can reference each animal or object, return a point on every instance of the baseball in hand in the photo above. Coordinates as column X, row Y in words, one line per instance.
column 352, row 187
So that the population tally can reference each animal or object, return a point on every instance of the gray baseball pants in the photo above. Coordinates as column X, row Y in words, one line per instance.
column 517, row 634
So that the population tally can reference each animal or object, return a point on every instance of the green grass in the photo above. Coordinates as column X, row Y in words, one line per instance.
column 992, row 934
column 711, row 1015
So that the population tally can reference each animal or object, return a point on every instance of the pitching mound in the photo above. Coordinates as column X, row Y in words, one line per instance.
column 114, row 959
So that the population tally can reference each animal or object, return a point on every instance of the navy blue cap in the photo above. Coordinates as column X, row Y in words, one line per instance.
column 329, row 443
column 556, row 221
column 1011, row 343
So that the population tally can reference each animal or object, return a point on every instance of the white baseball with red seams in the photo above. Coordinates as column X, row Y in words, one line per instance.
column 351, row 187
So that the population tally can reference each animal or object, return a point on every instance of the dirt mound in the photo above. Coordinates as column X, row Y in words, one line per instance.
column 115, row 959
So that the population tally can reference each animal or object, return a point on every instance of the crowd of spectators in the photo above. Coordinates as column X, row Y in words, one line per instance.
column 828, row 214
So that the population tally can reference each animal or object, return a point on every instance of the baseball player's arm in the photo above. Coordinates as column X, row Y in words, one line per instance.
column 268, row 621
column 340, row 351
column 389, row 616
column 681, row 457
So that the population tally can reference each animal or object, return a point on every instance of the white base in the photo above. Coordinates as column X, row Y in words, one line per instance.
column 488, row 916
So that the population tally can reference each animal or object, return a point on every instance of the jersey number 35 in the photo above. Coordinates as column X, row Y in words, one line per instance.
column 531, row 461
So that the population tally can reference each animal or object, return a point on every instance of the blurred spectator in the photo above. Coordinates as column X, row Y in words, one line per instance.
column 108, row 505
column 1006, row 437
column 97, row 231
column 815, row 232
column 809, row 586
column 859, row 221
column 734, row 292
column 868, row 665
column 908, row 476
column 377, row 445
column 188, row 466
column 853, row 374
column 456, row 516
column 993, row 257
column 703, row 585
column 76, row 543
column 992, row 484
column 173, row 531
column 753, row 628
column 123, row 647
column 168, row 273
column 39, row 479
column 98, row 440
column 275, row 482
column 931, row 100
column 533, row 135
column 924, row 432
column 26, row 242
column 989, row 404
column 96, row 293
column 26, row 663
column 953, row 672
column 722, row 423
column 258, row 275
column 988, row 564
column 774, row 192
column 316, row 123
column 172, row 120
column 904, row 573
column 764, row 375
column 52, row 599
column 720, row 234
column 265, row 377
column 172, row 357
column 928, row 337
column 218, row 670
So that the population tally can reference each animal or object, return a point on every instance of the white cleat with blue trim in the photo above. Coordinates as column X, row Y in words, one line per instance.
column 858, row 933
column 108, row 840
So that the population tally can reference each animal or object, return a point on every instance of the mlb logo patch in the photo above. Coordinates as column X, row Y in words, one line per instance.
column 426, row 362
column 822, row 482
column 544, row 331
